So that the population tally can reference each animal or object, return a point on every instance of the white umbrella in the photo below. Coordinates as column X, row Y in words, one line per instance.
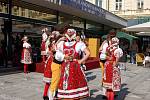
column 145, row 27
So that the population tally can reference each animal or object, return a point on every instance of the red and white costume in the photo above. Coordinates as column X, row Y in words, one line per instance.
column 43, row 44
column 26, row 53
column 47, row 70
column 111, row 77
column 72, row 81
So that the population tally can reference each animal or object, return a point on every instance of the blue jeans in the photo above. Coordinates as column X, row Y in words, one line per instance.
column 133, row 54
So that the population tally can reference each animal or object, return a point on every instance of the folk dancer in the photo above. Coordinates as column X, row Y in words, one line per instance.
column 26, row 55
column 43, row 46
column 72, row 84
column 47, row 70
column 111, row 78
column 58, row 58
column 103, row 55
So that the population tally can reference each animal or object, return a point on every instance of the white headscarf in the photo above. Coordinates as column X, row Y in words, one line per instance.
column 73, row 32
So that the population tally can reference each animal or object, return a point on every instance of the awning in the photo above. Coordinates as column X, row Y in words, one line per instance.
column 145, row 27
column 143, row 33
column 123, row 35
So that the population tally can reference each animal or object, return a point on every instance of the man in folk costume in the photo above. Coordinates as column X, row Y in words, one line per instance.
column 58, row 58
column 26, row 55
column 52, row 66
column 72, row 84
column 112, row 78
column 43, row 46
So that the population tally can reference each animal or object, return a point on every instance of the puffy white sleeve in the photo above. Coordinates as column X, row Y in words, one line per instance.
column 118, row 53
column 59, row 55
column 26, row 45
column 80, row 46
column 59, row 51
column 59, row 46
column 44, row 37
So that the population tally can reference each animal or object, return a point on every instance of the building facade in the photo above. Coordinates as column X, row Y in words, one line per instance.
column 135, row 11
column 28, row 17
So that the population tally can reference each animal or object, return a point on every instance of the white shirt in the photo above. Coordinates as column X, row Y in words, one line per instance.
column 26, row 45
column 118, row 53
column 80, row 46
column 44, row 37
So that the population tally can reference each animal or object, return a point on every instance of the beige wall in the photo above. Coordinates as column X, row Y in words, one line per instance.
column 129, row 8
column 127, row 4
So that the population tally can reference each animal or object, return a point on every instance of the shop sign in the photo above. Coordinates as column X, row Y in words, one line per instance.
column 84, row 6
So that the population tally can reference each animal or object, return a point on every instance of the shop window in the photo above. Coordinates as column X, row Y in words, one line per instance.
column 3, row 7
column 23, row 12
column 16, row 10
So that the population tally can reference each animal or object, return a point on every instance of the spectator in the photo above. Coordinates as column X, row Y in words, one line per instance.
column 133, row 50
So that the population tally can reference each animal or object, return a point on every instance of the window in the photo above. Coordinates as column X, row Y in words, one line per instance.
column 140, row 4
column 16, row 10
column 118, row 5
column 99, row 3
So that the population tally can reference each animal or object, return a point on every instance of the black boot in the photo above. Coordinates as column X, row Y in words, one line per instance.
column 45, row 98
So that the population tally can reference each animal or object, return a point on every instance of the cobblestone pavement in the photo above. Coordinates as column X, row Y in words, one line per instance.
column 135, row 85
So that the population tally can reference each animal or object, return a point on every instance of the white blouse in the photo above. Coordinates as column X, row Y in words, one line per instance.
column 26, row 45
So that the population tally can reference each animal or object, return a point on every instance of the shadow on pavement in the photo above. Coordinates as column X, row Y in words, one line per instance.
column 123, row 92
column 98, row 97
column 88, row 73
column 91, row 78
column 10, row 72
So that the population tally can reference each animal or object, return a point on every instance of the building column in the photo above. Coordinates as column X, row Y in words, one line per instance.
column 7, row 33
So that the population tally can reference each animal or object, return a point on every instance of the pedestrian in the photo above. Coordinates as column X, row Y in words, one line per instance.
column 26, row 55
column 112, row 78
column 133, row 50
column 122, row 62
column 43, row 46
column 72, row 84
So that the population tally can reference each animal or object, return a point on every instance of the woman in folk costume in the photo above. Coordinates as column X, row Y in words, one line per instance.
column 43, row 46
column 47, row 70
column 72, row 84
column 102, row 56
column 112, row 78
column 26, row 55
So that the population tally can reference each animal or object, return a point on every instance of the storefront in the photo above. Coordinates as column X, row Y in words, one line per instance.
column 28, row 17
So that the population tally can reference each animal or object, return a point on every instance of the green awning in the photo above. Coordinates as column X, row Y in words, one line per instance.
column 123, row 35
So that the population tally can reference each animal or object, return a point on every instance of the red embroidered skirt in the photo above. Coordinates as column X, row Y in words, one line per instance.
column 43, row 49
column 72, row 81
column 47, row 70
column 26, row 57
column 111, row 78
